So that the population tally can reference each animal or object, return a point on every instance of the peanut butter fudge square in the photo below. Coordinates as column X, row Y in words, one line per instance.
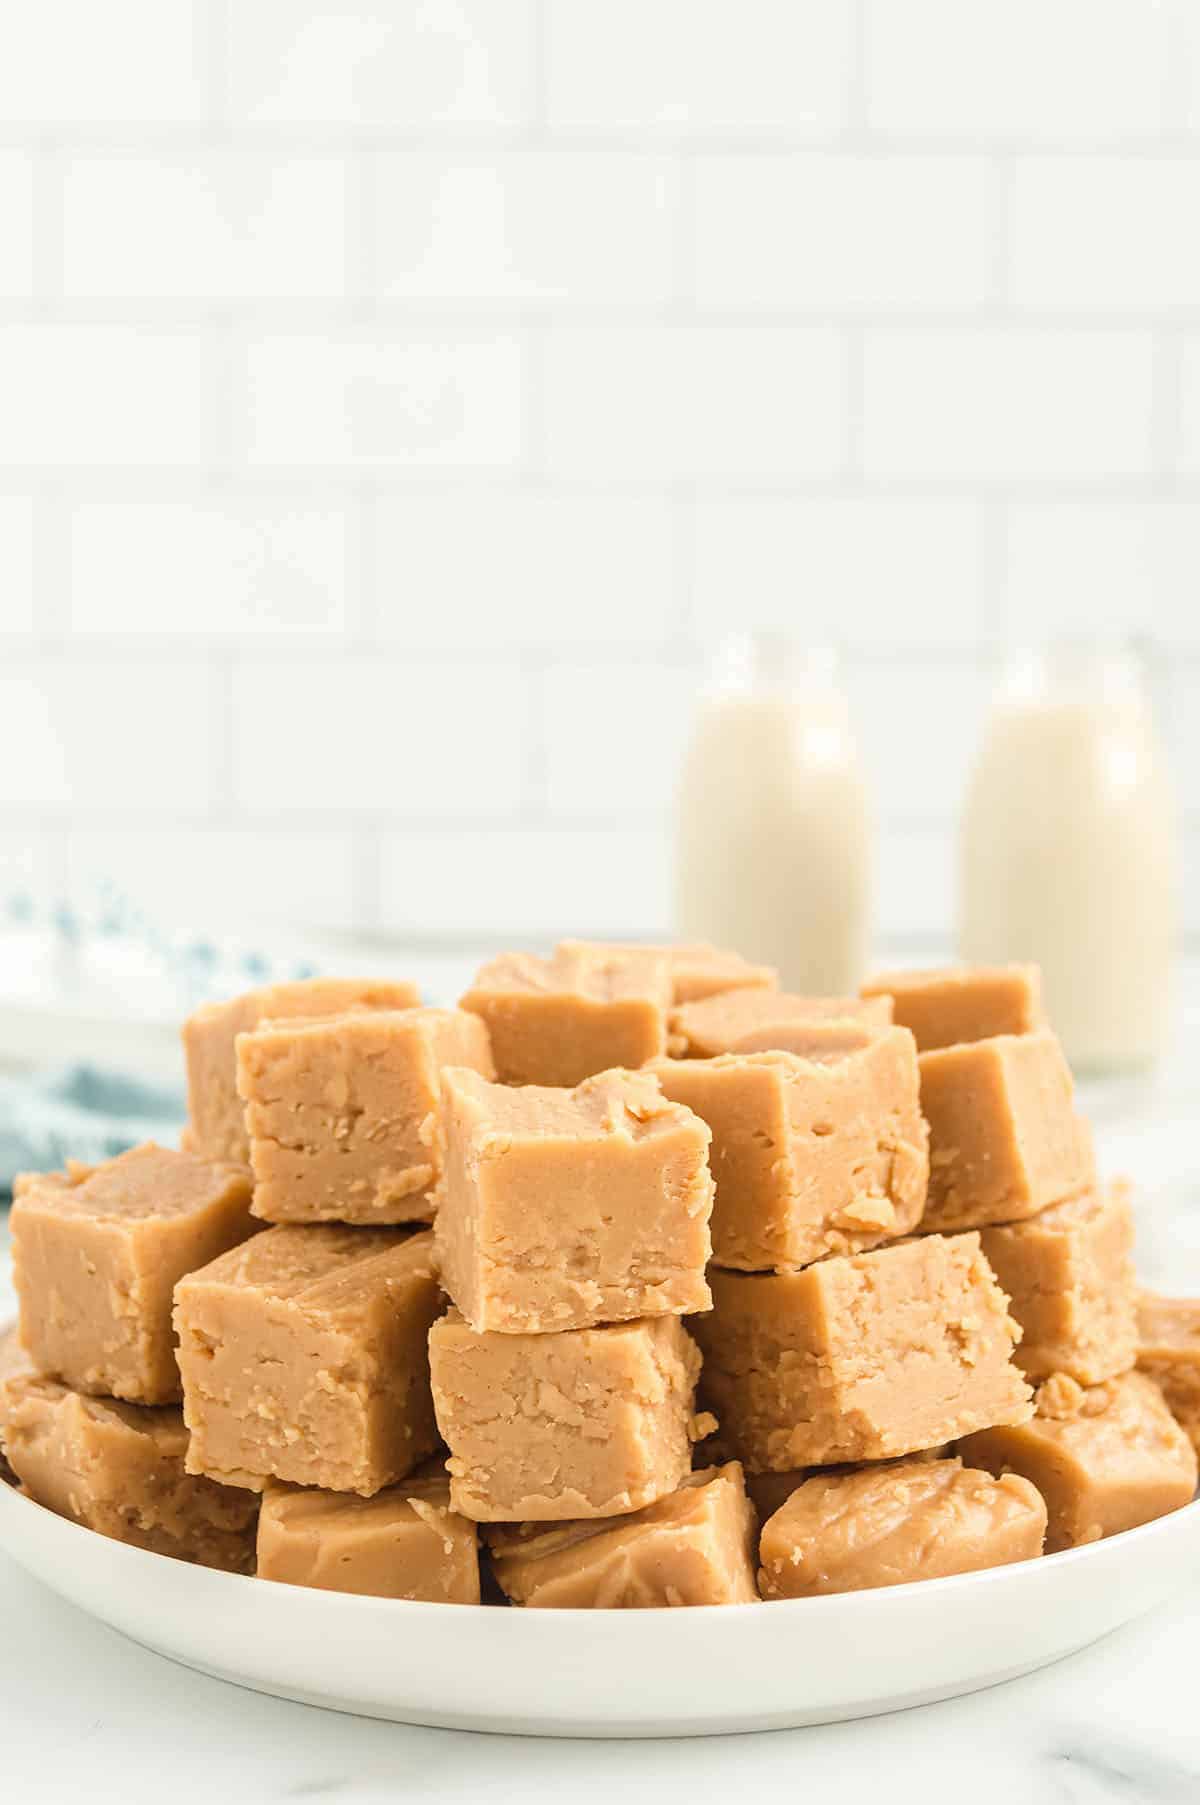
column 405, row 1542
column 1004, row 1139
column 695, row 1546
column 1104, row 1459
column 95, row 1263
column 556, row 1021
column 1169, row 1353
column 697, row 969
column 890, row 1525
column 215, row 1125
column 304, row 1358
column 589, row 1423
column 341, row 1111
column 559, row 1209
column 119, row 1469
column 1070, row 1280
column 860, row 1357
column 743, row 1021
column 811, row 1155
column 963, row 1002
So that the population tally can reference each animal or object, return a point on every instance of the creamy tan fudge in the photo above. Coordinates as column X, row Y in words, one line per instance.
column 890, row 1525
column 560, row 1209
column 405, row 1542
column 742, row 1021
column 1070, row 1281
column 1169, row 1353
column 74, row 1174
column 95, row 1263
column 811, row 1155
column 119, row 1469
column 1004, row 1139
column 585, row 1009
column 963, row 1002
column 303, row 1355
column 541, row 1428
column 693, row 1547
column 1105, row 1458
column 697, row 969
column 341, row 1111
column 860, row 1357
column 215, row 1124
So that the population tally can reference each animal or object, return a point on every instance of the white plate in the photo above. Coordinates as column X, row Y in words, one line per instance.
column 611, row 1673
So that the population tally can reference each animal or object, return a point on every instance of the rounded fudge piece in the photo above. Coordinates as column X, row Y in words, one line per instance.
column 890, row 1525
column 304, row 1358
column 963, row 1002
column 1169, row 1353
column 542, row 1428
column 1004, row 1139
column 95, row 1261
column 693, row 1547
column 811, row 1155
column 405, row 1542
column 586, row 1009
column 341, row 1111
column 564, row 1209
column 1105, row 1459
column 119, row 1469
column 216, row 1128
column 1070, row 1281
column 860, row 1357
column 696, row 968
column 771, row 1019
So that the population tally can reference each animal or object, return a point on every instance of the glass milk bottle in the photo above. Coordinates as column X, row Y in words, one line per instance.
column 773, row 839
column 1069, row 850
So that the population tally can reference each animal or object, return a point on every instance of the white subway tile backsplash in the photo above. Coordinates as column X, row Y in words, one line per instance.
column 1026, row 404
column 392, row 399
column 204, row 225
column 378, row 735
column 526, row 883
column 695, row 66
column 1075, row 568
column 536, row 226
column 694, row 403
column 498, row 570
column 1059, row 71
column 918, row 725
column 109, row 396
column 111, row 734
column 836, row 231
column 207, row 569
column 386, row 399
column 1104, row 233
column 352, row 63
column 125, row 62
column 615, row 736
column 16, row 213
column 16, row 564
column 916, row 888
column 1189, row 405
column 206, row 880
column 855, row 571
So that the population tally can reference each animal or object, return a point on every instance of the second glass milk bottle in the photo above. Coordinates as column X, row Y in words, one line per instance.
column 1069, row 849
column 773, row 834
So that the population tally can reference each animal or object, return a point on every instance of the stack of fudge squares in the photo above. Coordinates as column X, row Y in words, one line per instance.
column 405, row 1313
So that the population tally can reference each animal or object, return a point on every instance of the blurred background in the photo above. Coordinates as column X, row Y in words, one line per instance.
column 396, row 400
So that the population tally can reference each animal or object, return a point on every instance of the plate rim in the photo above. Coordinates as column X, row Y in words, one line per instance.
column 862, row 1600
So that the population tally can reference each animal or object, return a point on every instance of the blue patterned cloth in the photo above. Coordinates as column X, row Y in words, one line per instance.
column 83, row 1111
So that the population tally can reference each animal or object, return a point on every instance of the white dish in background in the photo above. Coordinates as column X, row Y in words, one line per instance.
column 611, row 1673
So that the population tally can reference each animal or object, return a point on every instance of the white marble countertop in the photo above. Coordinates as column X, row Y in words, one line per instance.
column 84, row 1713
